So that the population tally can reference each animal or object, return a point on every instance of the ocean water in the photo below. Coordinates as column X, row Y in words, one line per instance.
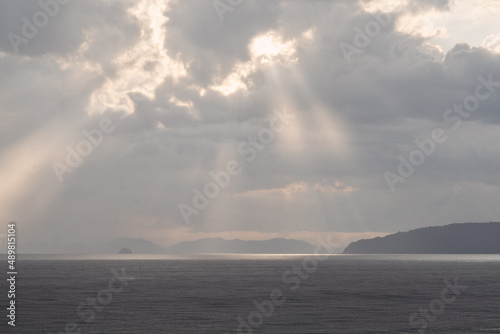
column 295, row 294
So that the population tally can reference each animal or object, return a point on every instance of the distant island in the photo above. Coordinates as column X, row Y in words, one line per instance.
column 464, row 238
column 125, row 250
column 125, row 245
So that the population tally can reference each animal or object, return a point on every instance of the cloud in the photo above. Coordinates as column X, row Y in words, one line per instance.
column 492, row 42
column 184, row 89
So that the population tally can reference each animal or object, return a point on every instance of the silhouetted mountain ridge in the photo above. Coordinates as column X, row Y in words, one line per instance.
column 218, row 245
column 210, row 245
column 464, row 238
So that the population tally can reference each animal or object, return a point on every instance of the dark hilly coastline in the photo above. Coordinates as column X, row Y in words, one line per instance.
column 464, row 238
column 208, row 245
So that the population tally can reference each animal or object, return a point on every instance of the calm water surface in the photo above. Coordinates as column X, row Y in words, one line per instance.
column 207, row 294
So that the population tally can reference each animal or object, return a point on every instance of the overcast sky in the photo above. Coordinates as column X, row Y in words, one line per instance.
column 114, row 114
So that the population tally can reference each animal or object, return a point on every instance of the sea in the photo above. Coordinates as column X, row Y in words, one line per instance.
column 235, row 293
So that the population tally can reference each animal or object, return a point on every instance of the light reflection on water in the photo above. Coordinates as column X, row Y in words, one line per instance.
column 375, row 257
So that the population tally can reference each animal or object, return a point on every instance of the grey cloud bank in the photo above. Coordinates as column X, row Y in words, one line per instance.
column 208, row 84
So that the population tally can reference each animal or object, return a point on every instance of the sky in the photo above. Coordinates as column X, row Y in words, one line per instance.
column 179, row 120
